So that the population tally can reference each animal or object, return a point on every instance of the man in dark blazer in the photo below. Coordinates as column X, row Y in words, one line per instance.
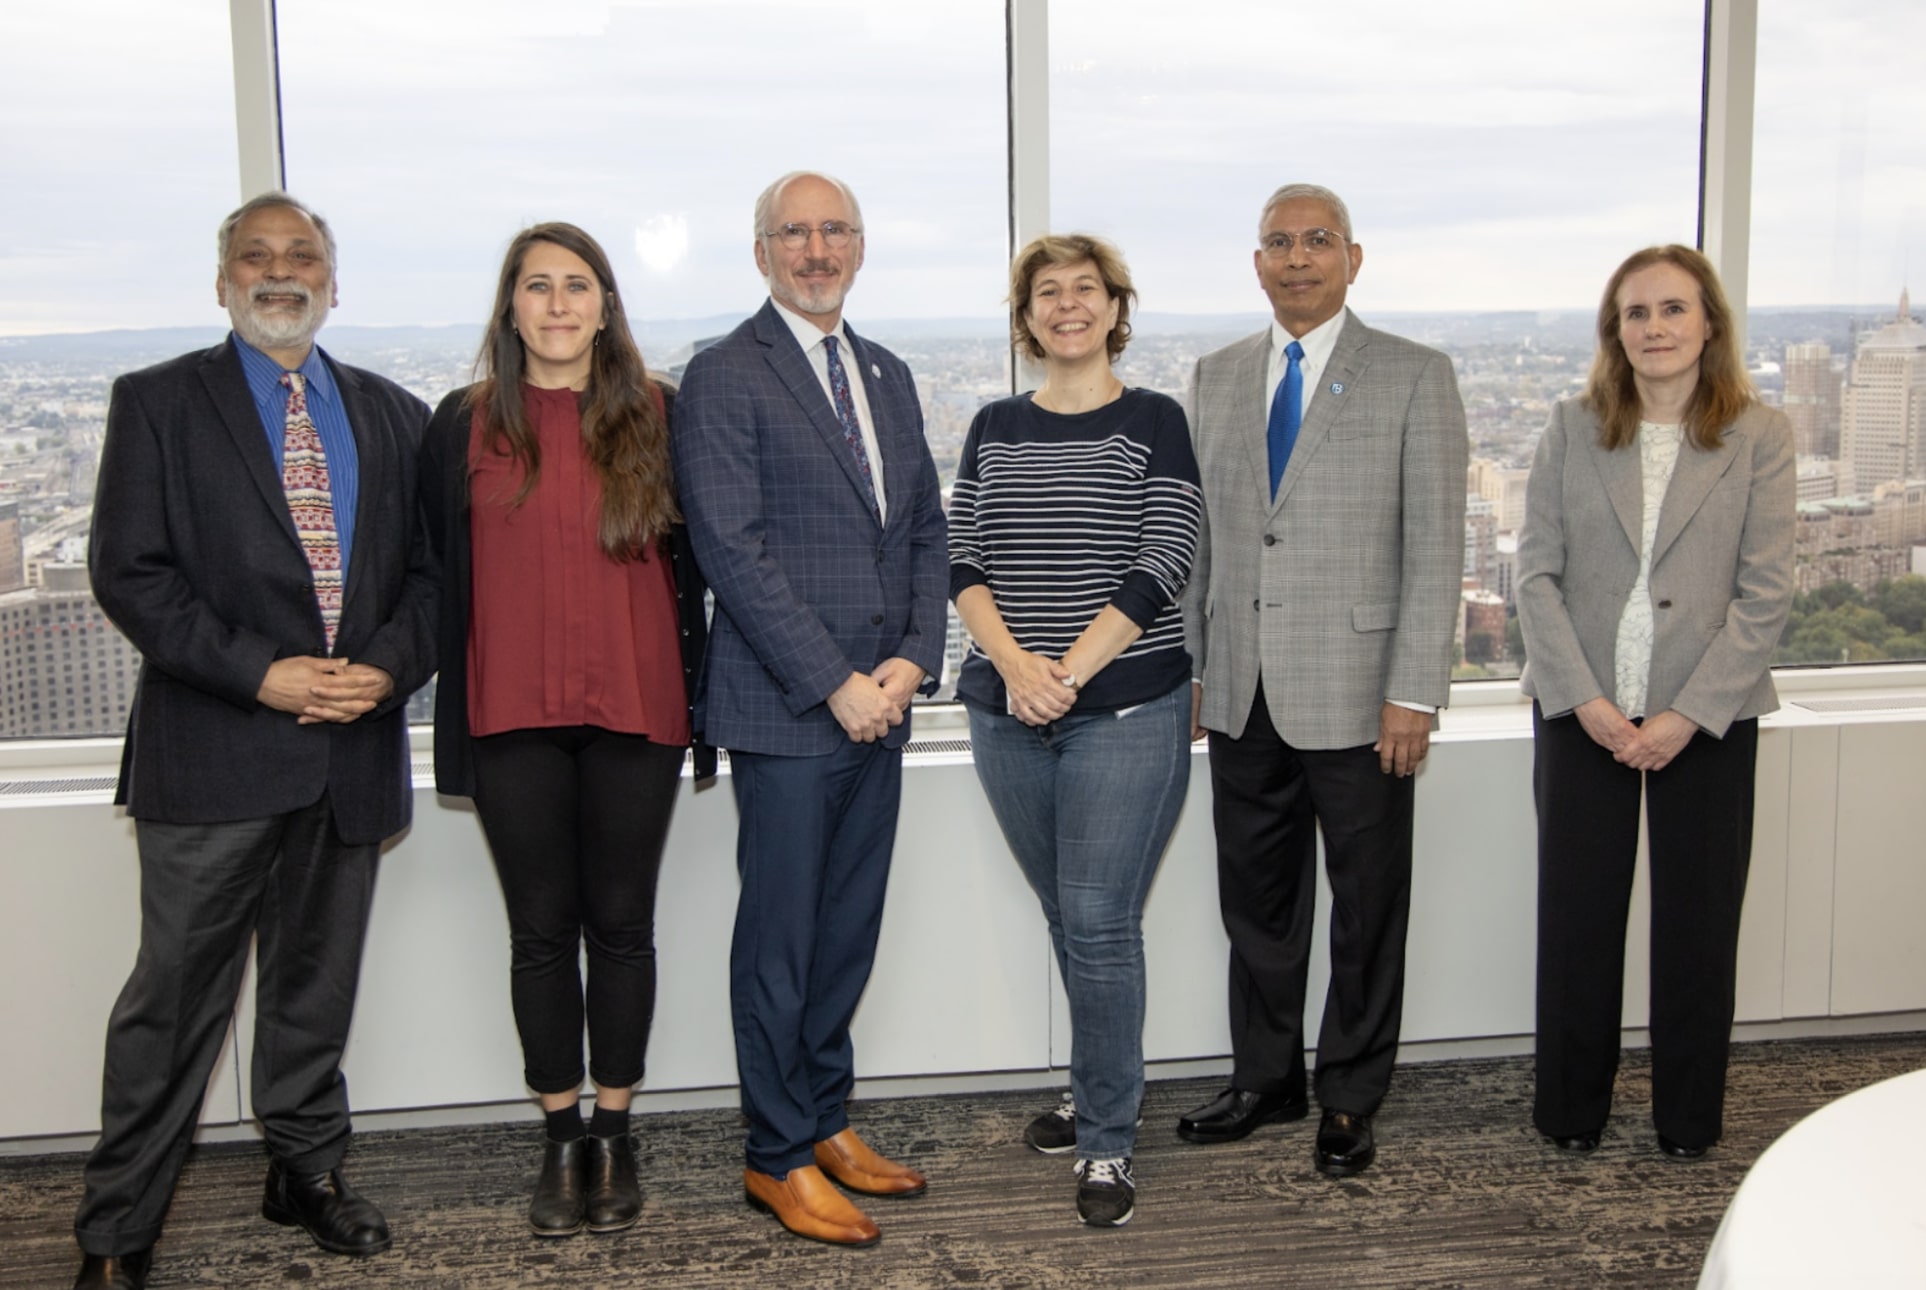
column 1320, row 613
column 256, row 538
column 817, row 519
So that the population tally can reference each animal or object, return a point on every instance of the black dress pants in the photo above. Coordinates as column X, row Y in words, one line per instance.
column 576, row 819
column 1699, row 827
column 207, row 891
column 1269, row 801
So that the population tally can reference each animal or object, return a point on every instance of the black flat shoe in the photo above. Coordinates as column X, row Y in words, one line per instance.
column 614, row 1196
column 1233, row 1113
column 339, row 1220
column 1580, row 1142
column 1345, row 1144
column 1678, row 1150
column 114, row 1271
column 560, row 1206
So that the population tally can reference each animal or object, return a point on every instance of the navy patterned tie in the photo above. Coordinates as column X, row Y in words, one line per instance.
column 852, row 428
column 304, row 475
column 1287, row 412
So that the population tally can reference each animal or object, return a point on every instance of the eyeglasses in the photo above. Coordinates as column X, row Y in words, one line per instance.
column 1314, row 240
column 795, row 237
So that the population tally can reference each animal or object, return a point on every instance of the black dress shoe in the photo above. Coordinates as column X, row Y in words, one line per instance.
column 614, row 1197
column 340, row 1221
column 1678, row 1150
column 1345, row 1144
column 1233, row 1113
column 114, row 1271
column 560, row 1206
column 1580, row 1142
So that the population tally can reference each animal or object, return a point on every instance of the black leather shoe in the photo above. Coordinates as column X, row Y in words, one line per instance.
column 1678, row 1150
column 1233, row 1113
column 340, row 1221
column 614, row 1197
column 1345, row 1144
column 114, row 1271
column 1580, row 1142
column 560, row 1206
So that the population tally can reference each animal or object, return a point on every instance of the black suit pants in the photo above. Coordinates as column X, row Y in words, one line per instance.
column 1699, row 830
column 1269, row 800
column 206, row 892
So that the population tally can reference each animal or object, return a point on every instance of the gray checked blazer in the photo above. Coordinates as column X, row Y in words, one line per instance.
column 1721, row 581
column 1345, row 590
column 808, row 586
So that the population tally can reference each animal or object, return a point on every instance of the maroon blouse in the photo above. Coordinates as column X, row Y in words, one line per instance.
column 560, row 633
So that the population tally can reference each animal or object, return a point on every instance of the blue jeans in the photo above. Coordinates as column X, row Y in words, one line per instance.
column 1086, row 805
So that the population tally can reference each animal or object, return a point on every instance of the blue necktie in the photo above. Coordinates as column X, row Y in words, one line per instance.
column 1287, row 413
column 846, row 413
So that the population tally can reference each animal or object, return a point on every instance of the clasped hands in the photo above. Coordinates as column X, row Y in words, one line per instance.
column 324, row 689
column 1040, row 688
column 1649, row 746
column 868, row 707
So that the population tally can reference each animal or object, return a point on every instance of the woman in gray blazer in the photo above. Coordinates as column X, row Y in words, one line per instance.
column 1655, row 574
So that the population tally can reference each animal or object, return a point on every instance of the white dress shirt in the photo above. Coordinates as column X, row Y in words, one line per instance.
column 810, row 337
column 1318, row 344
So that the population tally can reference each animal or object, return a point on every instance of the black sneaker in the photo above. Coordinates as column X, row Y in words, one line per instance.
column 1055, row 1131
column 1106, row 1194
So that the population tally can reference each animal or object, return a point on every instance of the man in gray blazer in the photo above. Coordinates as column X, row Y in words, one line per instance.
column 816, row 517
column 256, row 537
column 1320, row 616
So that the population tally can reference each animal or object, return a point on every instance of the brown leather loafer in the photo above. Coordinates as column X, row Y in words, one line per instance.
column 848, row 1159
column 807, row 1205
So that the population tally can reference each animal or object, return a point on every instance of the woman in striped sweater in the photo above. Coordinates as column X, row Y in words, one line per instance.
column 1072, row 526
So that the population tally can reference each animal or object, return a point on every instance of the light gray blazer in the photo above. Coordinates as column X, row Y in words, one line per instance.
column 1345, row 590
column 1721, row 581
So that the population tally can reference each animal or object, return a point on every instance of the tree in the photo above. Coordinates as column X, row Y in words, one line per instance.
column 1903, row 602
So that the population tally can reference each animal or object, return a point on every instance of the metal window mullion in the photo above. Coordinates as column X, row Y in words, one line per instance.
column 1725, row 159
column 1028, row 27
column 257, row 96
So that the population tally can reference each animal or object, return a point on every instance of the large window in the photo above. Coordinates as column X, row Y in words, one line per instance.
column 118, row 145
column 1838, row 236
column 431, row 133
column 1498, row 160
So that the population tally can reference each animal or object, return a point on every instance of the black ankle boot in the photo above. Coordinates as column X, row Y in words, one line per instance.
column 614, row 1196
column 561, row 1194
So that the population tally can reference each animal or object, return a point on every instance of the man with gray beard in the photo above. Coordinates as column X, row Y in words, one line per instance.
column 256, row 537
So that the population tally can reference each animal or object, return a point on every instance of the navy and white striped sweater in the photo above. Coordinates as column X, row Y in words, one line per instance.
column 1060, row 515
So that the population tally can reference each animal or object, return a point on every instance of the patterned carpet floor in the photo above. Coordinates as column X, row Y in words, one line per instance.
column 1464, row 1193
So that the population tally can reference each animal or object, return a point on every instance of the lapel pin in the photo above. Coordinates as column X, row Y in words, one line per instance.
column 876, row 370
column 1337, row 387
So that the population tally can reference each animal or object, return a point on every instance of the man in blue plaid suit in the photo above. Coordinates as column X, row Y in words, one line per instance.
column 817, row 518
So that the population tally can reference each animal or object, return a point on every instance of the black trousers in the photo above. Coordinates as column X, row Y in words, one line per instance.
column 1699, row 829
column 206, row 892
column 1269, row 800
column 576, row 819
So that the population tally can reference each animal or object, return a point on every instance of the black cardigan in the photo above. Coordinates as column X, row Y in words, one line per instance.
column 444, row 505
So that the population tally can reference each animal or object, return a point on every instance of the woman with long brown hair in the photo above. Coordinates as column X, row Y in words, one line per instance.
column 571, row 632
column 1654, row 577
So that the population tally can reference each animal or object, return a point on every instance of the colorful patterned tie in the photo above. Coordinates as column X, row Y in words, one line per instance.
column 304, row 474
column 852, row 428
column 1287, row 411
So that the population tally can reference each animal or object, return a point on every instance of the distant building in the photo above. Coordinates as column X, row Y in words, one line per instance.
column 13, row 550
column 1484, row 627
column 1504, row 485
column 1812, row 399
column 1481, row 531
column 1819, row 479
column 1899, row 512
column 64, row 669
column 1882, row 430
column 1504, row 567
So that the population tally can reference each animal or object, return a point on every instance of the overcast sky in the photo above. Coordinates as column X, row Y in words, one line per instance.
column 1496, row 154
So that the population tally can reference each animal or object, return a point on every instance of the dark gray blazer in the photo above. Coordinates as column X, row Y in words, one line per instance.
column 1721, row 581
column 194, row 558
column 808, row 586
